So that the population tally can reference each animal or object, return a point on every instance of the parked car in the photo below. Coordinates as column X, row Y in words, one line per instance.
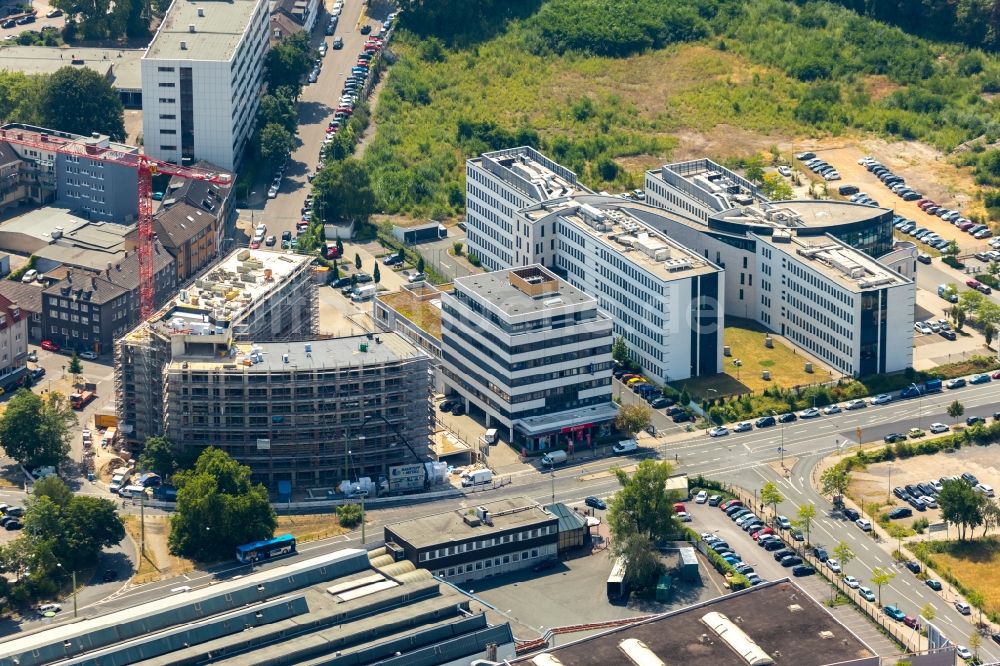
column 48, row 345
column 894, row 612
column 866, row 594
column 595, row 502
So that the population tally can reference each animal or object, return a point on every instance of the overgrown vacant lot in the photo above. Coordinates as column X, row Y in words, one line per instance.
column 723, row 78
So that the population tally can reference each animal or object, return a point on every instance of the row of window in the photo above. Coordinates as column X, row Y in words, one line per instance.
column 487, row 564
column 471, row 546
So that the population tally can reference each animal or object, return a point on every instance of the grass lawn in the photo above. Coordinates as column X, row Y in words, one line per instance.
column 786, row 367
column 976, row 565
column 747, row 343
column 421, row 313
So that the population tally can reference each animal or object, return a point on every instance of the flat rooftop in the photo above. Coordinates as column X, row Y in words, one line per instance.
column 41, row 223
column 532, row 173
column 420, row 305
column 711, row 185
column 852, row 269
column 800, row 213
column 228, row 289
column 122, row 63
column 611, row 221
column 530, row 290
column 67, row 140
column 316, row 354
column 218, row 29
column 779, row 617
column 438, row 528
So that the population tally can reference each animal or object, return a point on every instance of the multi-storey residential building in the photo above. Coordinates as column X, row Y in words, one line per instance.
column 289, row 17
column 12, row 189
column 28, row 298
column 532, row 353
column 13, row 341
column 85, row 180
column 202, row 77
column 250, row 295
column 499, row 184
column 312, row 413
column 470, row 544
column 89, row 310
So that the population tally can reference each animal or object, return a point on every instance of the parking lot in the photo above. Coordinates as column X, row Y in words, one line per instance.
column 845, row 160
column 877, row 481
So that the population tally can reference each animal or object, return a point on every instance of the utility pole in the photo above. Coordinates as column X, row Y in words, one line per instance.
column 74, row 594
column 142, row 525
column 552, row 478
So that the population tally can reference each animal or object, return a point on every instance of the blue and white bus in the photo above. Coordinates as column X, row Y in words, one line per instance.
column 279, row 546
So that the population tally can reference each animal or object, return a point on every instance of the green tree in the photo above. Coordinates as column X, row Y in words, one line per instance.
column 218, row 508
column 43, row 520
column 632, row 418
column 279, row 109
column 880, row 578
column 976, row 598
column 420, row 264
column 75, row 366
column 975, row 642
column 344, row 191
column 55, row 489
column 835, row 480
column 844, row 554
column 928, row 612
column 753, row 168
column 805, row 517
column 457, row 248
column 377, row 273
column 90, row 524
column 276, row 143
column 619, row 350
column 82, row 101
column 158, row 456
column 956, row 409
column 961, row 505
column 640, row 516
column 357, row 261
column 340, row 248
column 349, row 515
column 771, row 496
column 35, row 431
column 993, row 268
column 776, row 188
column 287, row 62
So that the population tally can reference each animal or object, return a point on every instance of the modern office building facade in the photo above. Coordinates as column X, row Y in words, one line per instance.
column 533, row 354
column 202, row 78
column 840, row 305
column 312, row 413
column 250, row 295
column 499, row 184
column 664, row 300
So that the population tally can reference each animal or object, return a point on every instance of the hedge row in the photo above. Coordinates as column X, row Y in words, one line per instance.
column 980, row 434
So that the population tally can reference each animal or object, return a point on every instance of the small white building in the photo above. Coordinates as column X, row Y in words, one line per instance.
column 202, row 77
column 532, row 353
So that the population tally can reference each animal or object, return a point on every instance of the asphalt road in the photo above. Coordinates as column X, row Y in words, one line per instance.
column 742, row 458
column 316, row 107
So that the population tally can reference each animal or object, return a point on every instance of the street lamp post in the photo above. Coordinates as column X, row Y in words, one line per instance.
column 59, row 564
column 361, row 438
column 781, row 449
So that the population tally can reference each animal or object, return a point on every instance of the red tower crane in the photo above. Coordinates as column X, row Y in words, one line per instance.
column 146, row 166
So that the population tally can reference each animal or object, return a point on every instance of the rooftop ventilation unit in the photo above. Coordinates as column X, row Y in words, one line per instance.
column 736, row 639
column 674, row 265
column 877, row 282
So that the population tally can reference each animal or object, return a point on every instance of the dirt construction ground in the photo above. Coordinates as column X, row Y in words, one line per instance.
column 924, row 169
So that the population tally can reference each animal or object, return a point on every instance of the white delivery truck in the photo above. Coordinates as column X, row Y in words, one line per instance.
column 364, row 292
column 554, row 458
column 625, row 446
column 477, row 477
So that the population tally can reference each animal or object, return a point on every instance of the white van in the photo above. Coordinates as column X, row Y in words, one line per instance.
column 625, row 446
column 364, row 293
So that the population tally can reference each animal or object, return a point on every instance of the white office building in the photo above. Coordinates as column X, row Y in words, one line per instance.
column 499, row 184
column 837, row 303
column 533, row 354
column 202, row 77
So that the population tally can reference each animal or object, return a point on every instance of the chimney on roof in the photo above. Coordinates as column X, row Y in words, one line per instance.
column 93, row 282
column 118, row 267
column 69, row 277
column 107, row 271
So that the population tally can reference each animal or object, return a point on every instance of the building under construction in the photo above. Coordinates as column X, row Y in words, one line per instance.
column 235, row 361
column 311, row 413
column 248, row 295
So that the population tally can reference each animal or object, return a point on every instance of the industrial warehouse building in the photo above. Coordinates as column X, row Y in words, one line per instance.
column 347, row 607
